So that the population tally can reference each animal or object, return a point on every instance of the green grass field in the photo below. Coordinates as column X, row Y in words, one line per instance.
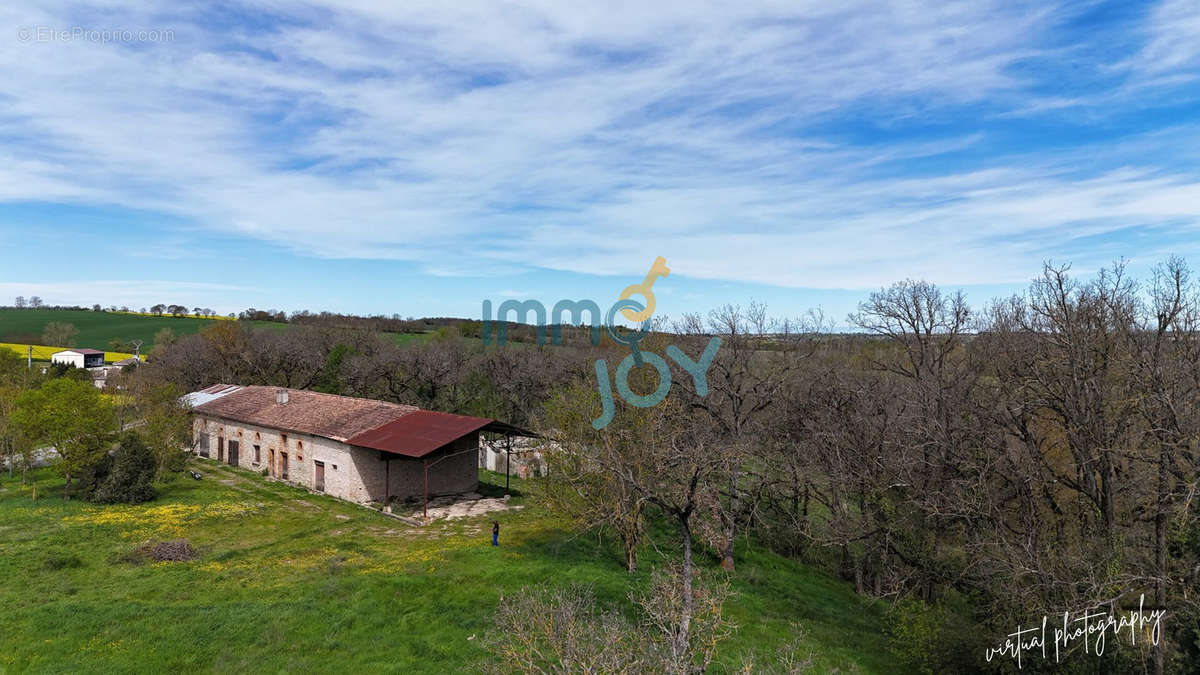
column 97, row 328
column 287, row 580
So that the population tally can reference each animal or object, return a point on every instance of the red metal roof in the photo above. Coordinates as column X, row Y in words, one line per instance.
column 388, row 427
column 419, row 432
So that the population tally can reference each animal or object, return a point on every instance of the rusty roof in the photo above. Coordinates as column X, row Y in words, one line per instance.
column 308, row 412
column 419, row 432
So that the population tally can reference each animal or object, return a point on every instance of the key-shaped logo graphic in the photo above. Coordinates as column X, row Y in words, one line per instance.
column 658, row 269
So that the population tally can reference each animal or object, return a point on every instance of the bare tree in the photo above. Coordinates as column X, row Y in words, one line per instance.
column 747, row 373
column 59, row 334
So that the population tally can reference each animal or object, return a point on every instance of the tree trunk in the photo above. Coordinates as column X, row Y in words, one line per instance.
column 680, row 648
column 729, row 523
column 631, row 555
column 1160, row 545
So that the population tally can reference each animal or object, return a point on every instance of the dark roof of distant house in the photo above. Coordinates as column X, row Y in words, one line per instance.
column 86, row 352
column 128, row 362
column 306, row 412
column 388, row 427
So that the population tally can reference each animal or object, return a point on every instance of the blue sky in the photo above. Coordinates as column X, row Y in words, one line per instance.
column 418, row 159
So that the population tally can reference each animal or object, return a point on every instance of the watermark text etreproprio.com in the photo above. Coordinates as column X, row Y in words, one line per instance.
column 99, row 35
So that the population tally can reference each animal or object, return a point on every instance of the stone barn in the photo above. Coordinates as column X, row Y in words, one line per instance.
column 356, row 449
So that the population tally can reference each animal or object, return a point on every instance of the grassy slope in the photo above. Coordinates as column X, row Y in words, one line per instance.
column 97, row 328
column 288, row 580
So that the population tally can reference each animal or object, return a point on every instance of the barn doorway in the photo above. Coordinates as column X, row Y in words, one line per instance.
column 283, row 465
column 233, row 453
column 319, row 476
column 221, row 449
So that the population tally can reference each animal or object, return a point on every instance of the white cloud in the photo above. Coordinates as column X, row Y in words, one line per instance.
column 468, row 136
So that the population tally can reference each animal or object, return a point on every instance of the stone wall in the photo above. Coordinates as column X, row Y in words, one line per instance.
column 352, row 473
column 302, row 450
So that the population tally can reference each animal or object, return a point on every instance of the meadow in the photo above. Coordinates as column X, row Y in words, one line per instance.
column 96, row 329
column 288, row 580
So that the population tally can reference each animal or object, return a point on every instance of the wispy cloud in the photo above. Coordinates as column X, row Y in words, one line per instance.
column 798, row 144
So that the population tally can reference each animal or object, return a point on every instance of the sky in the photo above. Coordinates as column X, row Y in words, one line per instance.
column 417, row 158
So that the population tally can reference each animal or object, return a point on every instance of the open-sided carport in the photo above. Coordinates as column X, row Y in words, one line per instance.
column 430, row 437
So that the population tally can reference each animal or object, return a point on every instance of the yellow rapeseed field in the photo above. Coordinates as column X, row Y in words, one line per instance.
column 43, row 353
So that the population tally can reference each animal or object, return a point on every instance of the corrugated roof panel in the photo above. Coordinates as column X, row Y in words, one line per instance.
column 208, row 394
column 419, row 433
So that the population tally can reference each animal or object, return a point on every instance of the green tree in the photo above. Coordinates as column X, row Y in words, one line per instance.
column 70, row 416
column 166, row 427
column 123, row 477
column 328, row 380
column 59, row 334
column 8, row 436
column 119, row 345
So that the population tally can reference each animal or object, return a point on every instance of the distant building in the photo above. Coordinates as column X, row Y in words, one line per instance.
column 80, row 358
column 355, row 449
column 521, row 457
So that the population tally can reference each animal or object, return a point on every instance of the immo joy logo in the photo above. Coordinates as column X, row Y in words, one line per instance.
column 630, row 309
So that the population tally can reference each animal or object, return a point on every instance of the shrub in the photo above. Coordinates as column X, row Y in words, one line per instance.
column 122, row 477
column 915, row 629
column 60, row 561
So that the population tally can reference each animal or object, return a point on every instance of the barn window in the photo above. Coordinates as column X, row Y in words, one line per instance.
column 257, row 454
column 299, row 450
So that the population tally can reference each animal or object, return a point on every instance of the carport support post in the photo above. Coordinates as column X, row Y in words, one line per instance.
column 425, row 504
column 507, row 458
column 387, row 481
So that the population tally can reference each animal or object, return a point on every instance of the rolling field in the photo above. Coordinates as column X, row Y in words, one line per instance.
column 96, row 329
column 287, row 580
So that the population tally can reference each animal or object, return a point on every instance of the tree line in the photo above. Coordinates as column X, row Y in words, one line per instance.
column 972, row 468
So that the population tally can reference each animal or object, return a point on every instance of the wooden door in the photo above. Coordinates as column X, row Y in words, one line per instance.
column 233, row 453
column 271, row 461
column 221, row 449
column 283, row 465
column 319, row 479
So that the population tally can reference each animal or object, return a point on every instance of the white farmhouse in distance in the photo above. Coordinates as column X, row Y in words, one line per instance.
column 80, row 358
